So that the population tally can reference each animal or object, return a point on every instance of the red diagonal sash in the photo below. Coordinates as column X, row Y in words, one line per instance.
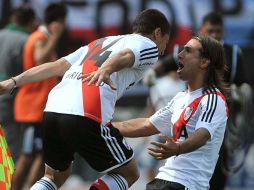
column 188, row 112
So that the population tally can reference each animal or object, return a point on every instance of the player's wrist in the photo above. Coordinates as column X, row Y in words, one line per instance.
column 14, row 85
column 107, row 70
column 178, row 151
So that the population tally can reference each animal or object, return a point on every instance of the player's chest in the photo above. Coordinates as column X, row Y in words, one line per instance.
column 186, row 112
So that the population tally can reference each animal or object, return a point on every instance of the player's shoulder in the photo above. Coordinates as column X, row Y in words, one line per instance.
column 114, row 37
column 139, row 39
column 180, row 95
column 131, row 39
column 213, row 96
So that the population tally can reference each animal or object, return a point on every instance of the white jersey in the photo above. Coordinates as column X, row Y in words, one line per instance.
column 72, row 96
column 193, row 169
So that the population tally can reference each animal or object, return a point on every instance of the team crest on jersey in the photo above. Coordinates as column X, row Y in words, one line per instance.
column 187, row 113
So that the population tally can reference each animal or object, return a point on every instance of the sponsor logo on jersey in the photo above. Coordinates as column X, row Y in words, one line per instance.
column 74, row 75
column 146, row 63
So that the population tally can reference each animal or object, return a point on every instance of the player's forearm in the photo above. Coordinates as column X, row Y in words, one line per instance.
column 140, row 127
column 123, row 59
column 42, row 72
column 195, row 141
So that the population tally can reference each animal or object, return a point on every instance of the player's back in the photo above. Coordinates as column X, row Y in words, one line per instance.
column 72, row 96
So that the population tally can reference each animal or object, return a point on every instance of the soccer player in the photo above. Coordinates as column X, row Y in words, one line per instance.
column 80, row 108
column 213, row 25
column 195, row 119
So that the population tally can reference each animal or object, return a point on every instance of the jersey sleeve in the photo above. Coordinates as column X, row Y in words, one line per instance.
column 161, row 119
column 145, row 51
column 75, row 56
column 213, row 113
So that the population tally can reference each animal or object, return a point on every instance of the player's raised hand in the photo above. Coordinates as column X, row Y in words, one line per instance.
column 163, row 150
column 99, row 77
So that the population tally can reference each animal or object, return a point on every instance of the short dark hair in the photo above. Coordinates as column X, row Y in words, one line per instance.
column 213, row 51
column 214, row 18
column 148, row 20
column 54, row 12
column 24, row 15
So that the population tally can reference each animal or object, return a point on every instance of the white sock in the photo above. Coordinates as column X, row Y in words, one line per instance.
column 44, row 184
column 115, row 182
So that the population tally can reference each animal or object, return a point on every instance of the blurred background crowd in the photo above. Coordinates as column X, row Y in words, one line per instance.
column 75, row 23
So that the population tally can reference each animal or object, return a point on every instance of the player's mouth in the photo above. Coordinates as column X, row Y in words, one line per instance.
column 180, row 66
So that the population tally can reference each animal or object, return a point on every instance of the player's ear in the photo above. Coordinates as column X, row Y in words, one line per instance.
column 204, row 63
column 157, row 33
column 202, row 30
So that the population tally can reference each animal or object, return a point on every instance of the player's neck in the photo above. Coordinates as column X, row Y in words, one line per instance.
column 196, row 81
column 195, row 84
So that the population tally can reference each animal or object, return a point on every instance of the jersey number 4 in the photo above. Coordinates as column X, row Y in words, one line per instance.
column 98, row 54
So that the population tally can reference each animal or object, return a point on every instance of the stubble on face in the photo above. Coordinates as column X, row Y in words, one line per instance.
column 189, row 59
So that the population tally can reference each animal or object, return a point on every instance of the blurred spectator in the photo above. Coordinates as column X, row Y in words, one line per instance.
column 212, row 25
column 31, row 99
column 12, row 40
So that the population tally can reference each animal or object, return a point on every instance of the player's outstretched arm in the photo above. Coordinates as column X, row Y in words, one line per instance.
column 35, row 74
column 140, row 127
column 123, row 59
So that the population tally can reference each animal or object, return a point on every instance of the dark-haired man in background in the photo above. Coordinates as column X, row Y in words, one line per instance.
column 212, row 25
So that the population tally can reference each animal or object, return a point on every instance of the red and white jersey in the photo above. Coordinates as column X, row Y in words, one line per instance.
column 72, row 96
column 193, row 169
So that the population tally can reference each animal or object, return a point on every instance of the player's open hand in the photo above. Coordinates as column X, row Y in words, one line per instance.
column 99, row 77
column 163, row 150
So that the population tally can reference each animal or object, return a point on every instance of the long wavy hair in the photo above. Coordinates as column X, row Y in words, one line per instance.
column 214, row 51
